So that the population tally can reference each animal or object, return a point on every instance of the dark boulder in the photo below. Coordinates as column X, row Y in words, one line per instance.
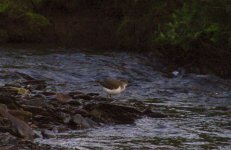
column 112, row 113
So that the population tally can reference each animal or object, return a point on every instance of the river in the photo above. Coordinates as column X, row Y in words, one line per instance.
column 200, row 104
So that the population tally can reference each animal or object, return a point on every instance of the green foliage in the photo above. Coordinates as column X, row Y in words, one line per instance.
column 193, row 22
column 3, row 7
column 182, row 28
column 135, row 29
column 37, row 20
column 199, row 31
column 13, row 8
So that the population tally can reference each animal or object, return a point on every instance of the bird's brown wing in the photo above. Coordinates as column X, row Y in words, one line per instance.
column 110, row 83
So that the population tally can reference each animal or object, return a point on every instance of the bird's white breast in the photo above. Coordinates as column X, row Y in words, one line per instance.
column 114, row 91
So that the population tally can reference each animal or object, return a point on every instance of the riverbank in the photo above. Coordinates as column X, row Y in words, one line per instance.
column 197, row 41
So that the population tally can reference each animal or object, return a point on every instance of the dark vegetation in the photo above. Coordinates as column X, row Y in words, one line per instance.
column 193, row 34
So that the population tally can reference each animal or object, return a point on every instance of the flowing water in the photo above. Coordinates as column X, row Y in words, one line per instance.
column 200, row 104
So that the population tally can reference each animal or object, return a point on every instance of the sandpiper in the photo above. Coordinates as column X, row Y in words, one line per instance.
column 113, row 86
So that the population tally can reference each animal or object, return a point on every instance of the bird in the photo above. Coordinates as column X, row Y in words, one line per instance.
column 113, row 86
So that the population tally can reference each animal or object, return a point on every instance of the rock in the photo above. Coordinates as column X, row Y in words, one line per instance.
column 8, row 129
column 153, row 114
column 81, row 112
column 35, row 84
column 92, row 123
column 21, row 114
column 48, row 134
column 20, row 90
column 38, row 134
column 48, row 94
column 93, row 94
column 111, row 113
column 7, row 139
column 60, row 128
column 6, row 91
column 43, row 119
column 63, row 98
column 137, row 104
column 34, row 109
column 80, row 121
column 4, row 121
column 102, row 99
column 83, row 96
column 20, row 126
column 75, row 94
column 10, row 101
column 65, row 117
column 34, row 101
column 74, row 103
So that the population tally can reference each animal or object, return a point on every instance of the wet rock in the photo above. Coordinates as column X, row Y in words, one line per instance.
column 10, row 101
column 20, row 126
column 63, row 98
column 4, row 121
column 137, row 104
column 20, row 90
column 93, row 94
column 80, row 111
column 48, row 134
column 38, row 134
column 65, row 117
column 7, row 129
column 92, row 123
column 38, row 96
column 9, row 142
column 34, row 109
column 43, row 119
column 150, row 113
column 60, row 128
column 75, row 94
column 21, row 114
column 35, row 84
column 7, row 139
column 75, row 103
column 81, row 122
column 48, row 94
column 80, row 95
column 84, row 96
column 34, row 101
column 6, row 91
column 102, row 99
column 112, row 113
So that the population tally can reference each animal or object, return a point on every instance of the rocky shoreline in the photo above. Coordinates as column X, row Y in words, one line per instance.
column 29, row 110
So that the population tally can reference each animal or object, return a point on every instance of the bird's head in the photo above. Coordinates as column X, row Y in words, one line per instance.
column 124, row 82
